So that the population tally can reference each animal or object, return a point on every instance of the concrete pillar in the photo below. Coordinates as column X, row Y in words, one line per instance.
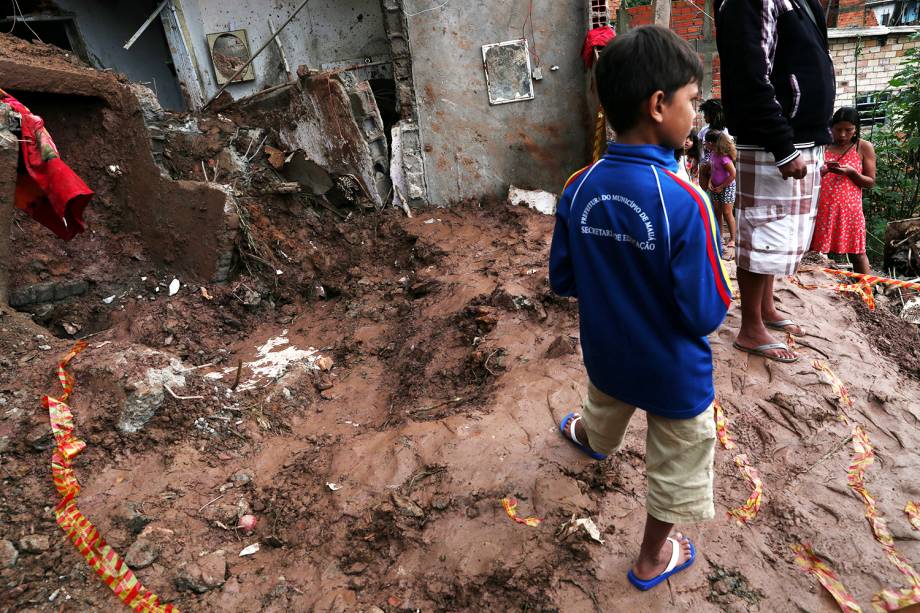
column 9, row 159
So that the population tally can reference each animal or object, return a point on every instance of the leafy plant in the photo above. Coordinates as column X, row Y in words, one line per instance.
column 897, row 189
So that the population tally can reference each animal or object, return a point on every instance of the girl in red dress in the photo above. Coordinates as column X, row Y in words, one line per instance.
column 848, row 169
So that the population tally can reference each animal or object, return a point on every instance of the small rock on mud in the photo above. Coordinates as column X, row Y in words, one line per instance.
column 207, row 573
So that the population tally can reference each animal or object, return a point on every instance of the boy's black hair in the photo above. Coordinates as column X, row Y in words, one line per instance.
column 848, row 114
column 713, row 113
column 638, row 64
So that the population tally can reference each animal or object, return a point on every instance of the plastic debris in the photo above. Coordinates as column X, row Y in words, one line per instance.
column 334, row 486
column 542, row 202
column 174, row 287
column 510, row 506
column 251, row 550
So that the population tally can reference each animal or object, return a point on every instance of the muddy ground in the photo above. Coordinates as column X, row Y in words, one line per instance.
column 451, row 366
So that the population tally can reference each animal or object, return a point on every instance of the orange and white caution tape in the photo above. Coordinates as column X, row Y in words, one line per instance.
column 913, row 514
column 809, row 562
column 510, row 506
column 863, row 458
column 747, row 512
column 107, row 564
column 872, row 279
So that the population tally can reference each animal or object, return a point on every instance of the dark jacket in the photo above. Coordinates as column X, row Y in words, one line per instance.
column 778, row 82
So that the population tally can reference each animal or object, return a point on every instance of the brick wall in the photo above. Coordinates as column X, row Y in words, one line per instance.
column 878, row 61
column 687, row 20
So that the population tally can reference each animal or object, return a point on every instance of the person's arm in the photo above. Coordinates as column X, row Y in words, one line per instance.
column 865, row 179
column 561, row 274
column 732, row 172
column 744, row 28
column 702, row 290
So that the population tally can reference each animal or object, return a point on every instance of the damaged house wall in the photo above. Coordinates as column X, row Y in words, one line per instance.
column 473, row 149
column 326, row 34
column 97, row 122
column 106, row 26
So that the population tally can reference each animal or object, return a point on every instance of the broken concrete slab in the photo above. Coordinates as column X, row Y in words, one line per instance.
column 540, row 201
column 313, row 177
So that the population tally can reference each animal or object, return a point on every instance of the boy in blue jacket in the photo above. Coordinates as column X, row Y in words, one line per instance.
column 639, row 248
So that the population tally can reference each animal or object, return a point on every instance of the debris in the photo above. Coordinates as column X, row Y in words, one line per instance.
column 324, row 363
column 407, row 506
column 561, row 346
column 247, row 524
column 114, row 170
column 911, row 310
column 71, row 328
column 251, row 550
column 34, row 543
column 540, row 201
column 207, row 573
column 334, row 486
column 205, row 294
column 109, row 300
column 587, row 524
column 174, row 287
column 8, row 554
column 510, row 506
column 142, row 553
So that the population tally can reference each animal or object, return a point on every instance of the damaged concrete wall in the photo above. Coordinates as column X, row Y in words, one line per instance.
column 327, row 33
column 473, row 149
column 98, row 126
column 105, row 29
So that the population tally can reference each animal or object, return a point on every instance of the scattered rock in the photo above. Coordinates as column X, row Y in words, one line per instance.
column 206, row 573
column 561, row 346
column 146, row 393
column 440, row 503
column 324, row 363
column 406, row 506
column 357, row 568
column 472, row 512
column 241, row 477
column 8, row 554
column 142, row 553
column 357, row 583
column 34, row 543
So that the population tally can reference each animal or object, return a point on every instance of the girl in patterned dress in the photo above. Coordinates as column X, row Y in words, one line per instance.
column 722, row 156
column 848, row 169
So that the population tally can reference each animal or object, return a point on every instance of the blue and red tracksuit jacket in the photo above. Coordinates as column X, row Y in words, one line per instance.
column 640, row 250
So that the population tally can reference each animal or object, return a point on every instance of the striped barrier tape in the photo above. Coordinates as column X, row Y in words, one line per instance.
column 106, row 563
column 510, row 506
column 872, row 279
column 806, row 559
column 747, row 512
column 913, row 514
column 888, row 599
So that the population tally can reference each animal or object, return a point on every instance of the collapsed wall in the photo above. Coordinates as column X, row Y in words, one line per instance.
column 97, row 122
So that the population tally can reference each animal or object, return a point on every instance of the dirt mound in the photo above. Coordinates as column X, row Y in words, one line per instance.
column 376, row 475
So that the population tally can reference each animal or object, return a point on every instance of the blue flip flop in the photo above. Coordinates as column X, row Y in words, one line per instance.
column 570, row 436
column 671, row 569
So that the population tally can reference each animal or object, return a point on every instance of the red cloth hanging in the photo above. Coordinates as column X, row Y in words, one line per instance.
column 49, row 191
column 598, row 37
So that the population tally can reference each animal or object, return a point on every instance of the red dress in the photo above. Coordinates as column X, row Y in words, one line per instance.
column 841, row 225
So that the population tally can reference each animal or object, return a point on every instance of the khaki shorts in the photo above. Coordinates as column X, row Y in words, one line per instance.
column 678, row 457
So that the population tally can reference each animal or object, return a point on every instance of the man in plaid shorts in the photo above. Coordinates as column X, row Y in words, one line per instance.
column 778, row 92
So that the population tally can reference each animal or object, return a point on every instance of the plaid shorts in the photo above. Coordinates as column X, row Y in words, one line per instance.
column 776, row 216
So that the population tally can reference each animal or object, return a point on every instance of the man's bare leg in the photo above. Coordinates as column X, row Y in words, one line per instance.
column 756, row 294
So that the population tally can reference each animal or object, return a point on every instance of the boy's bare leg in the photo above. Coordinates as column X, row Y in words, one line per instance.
column 656, row 550
column 756, row 299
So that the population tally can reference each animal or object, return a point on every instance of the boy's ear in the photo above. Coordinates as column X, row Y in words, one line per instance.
column 656, row 103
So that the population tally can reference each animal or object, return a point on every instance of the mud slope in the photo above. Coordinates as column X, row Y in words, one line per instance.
column 452, row 364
